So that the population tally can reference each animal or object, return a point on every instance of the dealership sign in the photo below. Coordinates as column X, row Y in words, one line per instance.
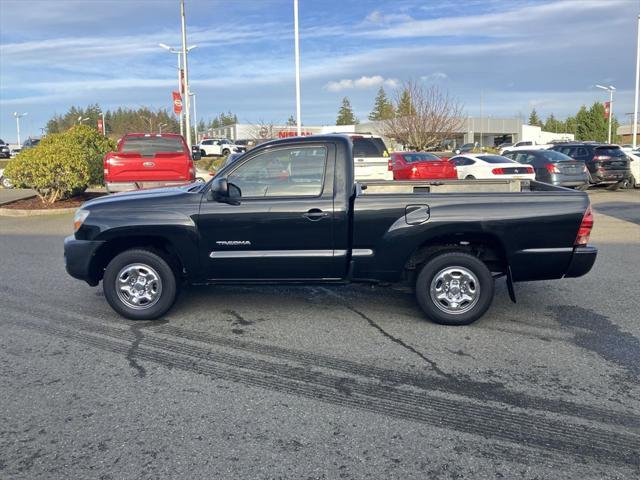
column 177, row 103
column 292, row 133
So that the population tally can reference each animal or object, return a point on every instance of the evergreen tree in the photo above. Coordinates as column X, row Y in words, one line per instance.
column 552, row 124
column 345, row 114
column 382, row 108
column 404, row 104
column 534, row 119
column 291, row 121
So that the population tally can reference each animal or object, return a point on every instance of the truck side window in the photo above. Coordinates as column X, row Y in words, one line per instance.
column 289, row 172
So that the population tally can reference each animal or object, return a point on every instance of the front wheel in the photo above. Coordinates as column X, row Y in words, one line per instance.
column 454, row 288
column 226, row 152
column 469, row 177
column 139, row 284
column 203, row 153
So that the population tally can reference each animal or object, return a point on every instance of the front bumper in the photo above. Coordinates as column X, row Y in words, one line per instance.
column 581, row 262
column 78, row 256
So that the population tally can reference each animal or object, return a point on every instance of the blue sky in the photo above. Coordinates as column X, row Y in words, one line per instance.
column 519, row 53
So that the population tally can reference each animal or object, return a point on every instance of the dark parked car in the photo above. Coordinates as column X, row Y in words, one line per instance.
column 5, row 151
column 553, row 167
column 30, row 142
column 290, row 211
column 606, row 163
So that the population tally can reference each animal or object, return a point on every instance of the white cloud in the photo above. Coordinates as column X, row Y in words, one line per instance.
column 378, row 17
column 361, row 83
column 434, row 77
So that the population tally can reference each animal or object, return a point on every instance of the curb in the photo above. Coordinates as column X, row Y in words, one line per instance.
column 16, row 212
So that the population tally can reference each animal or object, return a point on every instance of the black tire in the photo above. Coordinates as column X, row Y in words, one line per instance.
column 615, row 186
column 226, row 152
column 457, row 262
column 469, row 177
column 203, row 153
column 156, row 266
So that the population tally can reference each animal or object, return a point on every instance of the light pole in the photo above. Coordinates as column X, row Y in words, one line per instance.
column 195, row 116
column 160, row 127
column 180, row 86
column 18, row 117
column 185, row 60
column 80, row 119
column 609, row 89
column 635, row 104
column 296, row 42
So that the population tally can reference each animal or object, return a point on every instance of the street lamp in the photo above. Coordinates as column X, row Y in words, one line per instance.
column 80, row 119
column 637, row 87
column 180, row 89
column 104, row 125
column 296, row 44
column 609, row 89
column 162, row 125
column 18, row 117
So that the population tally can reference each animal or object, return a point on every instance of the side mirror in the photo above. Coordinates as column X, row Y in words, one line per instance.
column 219, row 192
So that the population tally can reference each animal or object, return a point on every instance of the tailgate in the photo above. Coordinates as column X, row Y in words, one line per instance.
column 372, row 168
column 133, row 167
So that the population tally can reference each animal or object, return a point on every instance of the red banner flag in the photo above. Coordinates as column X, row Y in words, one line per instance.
column 607, row 109
column 100, row 126
column 177, row 103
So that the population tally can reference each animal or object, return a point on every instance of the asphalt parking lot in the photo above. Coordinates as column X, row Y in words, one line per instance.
column 320, row 382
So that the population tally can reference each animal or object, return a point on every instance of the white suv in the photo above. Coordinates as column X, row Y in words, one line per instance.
column 370, row 157
column 218, row 147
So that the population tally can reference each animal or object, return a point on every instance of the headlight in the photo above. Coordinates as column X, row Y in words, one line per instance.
column 79, row 218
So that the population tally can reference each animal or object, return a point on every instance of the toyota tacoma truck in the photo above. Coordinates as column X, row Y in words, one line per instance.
column 290, row 211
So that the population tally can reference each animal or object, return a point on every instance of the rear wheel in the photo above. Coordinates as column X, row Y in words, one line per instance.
column 469, row 177
column 454, row 288
column 139, row 285
column 203, row 153
column 226, row 152
column 615, row 186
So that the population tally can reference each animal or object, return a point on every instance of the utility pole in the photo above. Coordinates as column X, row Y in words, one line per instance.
column 635, row 104
column 160, row 127
column 18, row 117
column 195, row 116
column 187, row 106
column 296, row 42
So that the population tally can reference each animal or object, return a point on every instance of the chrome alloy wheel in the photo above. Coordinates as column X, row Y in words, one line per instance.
column 138, row 286
column 455, row 290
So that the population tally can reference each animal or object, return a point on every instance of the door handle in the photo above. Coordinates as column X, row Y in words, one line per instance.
column 315, row 214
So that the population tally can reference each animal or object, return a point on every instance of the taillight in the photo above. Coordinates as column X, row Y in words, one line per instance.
column 530, row 170
column 497, row 171
column 390, row 165
column 585, row 228
column 601, row 157
column 192, row 172
column 551, row 168
column 585, row 169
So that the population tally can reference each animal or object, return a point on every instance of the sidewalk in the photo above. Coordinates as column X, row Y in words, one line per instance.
column 9, row 195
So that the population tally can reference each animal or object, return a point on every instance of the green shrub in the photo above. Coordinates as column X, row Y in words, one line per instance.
column 62, row 164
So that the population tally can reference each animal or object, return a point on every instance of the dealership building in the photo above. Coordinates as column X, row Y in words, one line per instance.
column 482, row 130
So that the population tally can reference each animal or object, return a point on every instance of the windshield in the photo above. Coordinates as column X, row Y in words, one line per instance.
column 420, row 157
column 149, row 146
column 495, row 159
column 610, row 151
column 554, row 157
column 369, row 147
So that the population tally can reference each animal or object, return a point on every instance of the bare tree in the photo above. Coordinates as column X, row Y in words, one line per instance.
column 431, row 116
column 262, row 131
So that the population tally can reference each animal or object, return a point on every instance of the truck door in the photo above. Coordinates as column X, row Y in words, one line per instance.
column 282, row 225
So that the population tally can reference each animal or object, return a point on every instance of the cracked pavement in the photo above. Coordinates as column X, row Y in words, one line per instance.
column 320, row 381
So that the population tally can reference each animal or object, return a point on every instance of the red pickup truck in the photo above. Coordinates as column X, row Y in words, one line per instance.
column 146, row 160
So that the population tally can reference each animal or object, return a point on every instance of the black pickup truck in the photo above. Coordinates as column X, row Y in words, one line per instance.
column 290, row 211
